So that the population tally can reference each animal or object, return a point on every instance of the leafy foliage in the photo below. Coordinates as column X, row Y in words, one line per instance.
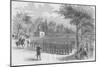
column 79, row 18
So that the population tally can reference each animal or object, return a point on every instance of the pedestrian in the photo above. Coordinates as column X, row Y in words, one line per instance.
column 38, row 52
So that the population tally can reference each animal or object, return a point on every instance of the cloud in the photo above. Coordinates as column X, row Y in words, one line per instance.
column 55, row 6
column 47, row 14
column 37, row 5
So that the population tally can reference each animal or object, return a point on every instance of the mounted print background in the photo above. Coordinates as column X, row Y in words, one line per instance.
column 47, row 33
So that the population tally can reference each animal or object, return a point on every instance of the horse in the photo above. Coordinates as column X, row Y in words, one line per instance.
column 20, row 42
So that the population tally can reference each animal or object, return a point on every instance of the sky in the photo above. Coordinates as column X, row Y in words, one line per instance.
column 44, row 10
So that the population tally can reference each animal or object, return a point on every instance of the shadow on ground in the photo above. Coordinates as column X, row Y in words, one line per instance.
column 32, row 59
column 68, row 58
column 17, row 48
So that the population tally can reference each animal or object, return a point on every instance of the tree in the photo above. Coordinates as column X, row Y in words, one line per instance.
column 51, row 26
column 68, row 30
column 60, row 28
column 22, row 23
column 27, row 23
column 26, row 19
column 68, row 11
column 17, row 23
column 37, row 23
column 43, row 26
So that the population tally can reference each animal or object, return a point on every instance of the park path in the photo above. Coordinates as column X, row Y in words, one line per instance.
column 22, row 56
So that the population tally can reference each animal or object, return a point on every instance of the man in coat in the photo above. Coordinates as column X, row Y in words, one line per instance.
column 38, row 52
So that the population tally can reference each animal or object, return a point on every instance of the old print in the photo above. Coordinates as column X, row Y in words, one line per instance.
column 44, row 33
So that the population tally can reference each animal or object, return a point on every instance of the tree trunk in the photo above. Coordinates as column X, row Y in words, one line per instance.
column 81, row 34
column 77, row 39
